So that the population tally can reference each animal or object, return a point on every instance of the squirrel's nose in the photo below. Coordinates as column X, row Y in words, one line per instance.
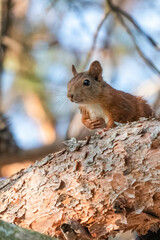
column 70, row 96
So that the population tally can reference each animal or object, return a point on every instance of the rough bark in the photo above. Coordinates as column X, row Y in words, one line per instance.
column 91, row 189
column 12, row 232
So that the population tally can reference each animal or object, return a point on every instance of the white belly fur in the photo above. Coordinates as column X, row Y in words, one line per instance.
column 95, row 111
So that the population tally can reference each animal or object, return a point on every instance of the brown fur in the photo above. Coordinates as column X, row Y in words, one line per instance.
column 124, row 107
column 116, row 105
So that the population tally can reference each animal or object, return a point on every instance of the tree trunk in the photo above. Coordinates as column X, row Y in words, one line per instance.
column 12, row 232
column 91, row 189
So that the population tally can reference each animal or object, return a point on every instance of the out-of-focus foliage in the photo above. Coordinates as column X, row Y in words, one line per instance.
column 41, row 39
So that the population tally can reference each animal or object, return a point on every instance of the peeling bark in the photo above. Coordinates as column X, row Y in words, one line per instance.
column 93, row 189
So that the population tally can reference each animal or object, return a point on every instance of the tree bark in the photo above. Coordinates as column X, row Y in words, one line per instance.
column 91, row 189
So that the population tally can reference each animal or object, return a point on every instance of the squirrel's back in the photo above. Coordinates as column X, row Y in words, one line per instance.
column 124, row 107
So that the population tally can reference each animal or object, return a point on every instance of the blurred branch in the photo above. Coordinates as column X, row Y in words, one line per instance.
column 147, row 60
column 5, row 7
column 30, row 155
column 11, row 43
column 1, row 58
column 91, row 51
column 133, row 21
column 119, row 13
column 150, row 39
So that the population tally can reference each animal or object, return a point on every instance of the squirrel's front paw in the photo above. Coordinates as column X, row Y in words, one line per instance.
column 93, row 124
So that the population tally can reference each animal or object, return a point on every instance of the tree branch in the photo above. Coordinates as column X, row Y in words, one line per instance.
column 91, row 51
column 119, row 12
column 147, row 60
column 12, row 232
column 29, row 155
column 91, row 189
column 133, row 21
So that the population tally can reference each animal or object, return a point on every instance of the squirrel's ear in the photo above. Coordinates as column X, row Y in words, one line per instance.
column 95, row 70
column 74, row 71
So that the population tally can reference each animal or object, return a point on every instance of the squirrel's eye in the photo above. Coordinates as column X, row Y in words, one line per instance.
column 86, row 82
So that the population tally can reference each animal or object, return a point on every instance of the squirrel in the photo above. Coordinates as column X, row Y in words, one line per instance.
column 102, row 105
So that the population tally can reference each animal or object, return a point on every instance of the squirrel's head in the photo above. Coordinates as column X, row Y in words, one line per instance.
column 86, row 87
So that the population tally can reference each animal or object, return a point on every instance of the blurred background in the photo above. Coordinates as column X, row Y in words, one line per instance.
column 40, row 40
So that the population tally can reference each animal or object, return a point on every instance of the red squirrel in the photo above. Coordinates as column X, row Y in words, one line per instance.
column 100, row 104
